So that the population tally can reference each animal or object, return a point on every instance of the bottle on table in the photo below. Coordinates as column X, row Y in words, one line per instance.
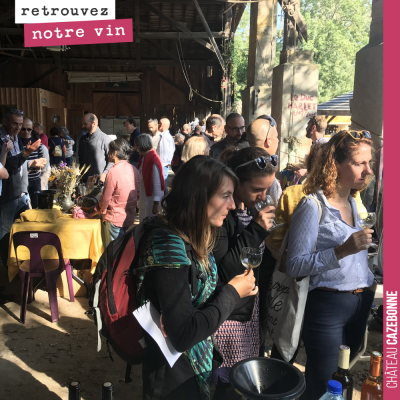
column 371, row 388
column 74, row 391
column 343, row 375
column 333, row 391
column 107, row 390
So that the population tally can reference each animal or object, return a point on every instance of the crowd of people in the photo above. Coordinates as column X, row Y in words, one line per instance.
column 222, row 169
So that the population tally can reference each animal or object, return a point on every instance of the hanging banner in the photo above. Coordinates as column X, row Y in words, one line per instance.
column 77, row 33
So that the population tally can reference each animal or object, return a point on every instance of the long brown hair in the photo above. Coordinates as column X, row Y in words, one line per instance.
column 323, row 174
column 196, row 182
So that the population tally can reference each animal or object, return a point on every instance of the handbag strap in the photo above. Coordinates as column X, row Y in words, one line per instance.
column 285, row 240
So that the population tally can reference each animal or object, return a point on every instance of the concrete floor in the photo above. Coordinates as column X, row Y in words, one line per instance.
column 38, row 359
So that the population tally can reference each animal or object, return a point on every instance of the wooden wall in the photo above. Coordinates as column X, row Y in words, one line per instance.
column 32, row 101
column 152, row 97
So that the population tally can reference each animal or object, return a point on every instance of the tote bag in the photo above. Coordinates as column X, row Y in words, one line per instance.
column 286, row 301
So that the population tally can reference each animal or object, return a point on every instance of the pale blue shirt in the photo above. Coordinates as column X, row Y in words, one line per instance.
column 324, row 269
column 167, row 148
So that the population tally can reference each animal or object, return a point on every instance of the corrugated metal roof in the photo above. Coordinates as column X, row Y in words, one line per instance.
column 339, row 105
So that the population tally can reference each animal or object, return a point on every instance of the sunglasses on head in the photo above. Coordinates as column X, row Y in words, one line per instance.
column 261, row 162
column 272, row 122
column 356, row 135
column 16, row 111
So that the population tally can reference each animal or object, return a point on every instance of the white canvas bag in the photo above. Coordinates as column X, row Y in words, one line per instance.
column 286, row 301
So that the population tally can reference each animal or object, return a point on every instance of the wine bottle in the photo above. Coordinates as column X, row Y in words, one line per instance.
column 371, row 388
column 107, row 391
column 343, row 375
column 74, row 391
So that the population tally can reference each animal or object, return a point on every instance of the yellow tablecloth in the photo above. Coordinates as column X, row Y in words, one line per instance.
column 80, row 239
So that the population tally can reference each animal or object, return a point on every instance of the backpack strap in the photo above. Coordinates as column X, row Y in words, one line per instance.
column 96, row 308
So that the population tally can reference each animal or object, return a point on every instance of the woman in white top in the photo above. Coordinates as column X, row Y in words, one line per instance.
column 152, row 184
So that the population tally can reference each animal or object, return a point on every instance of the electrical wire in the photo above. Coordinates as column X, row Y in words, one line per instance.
column 186, row 74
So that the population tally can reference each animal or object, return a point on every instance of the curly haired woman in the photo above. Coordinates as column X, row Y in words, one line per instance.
column 341, row 284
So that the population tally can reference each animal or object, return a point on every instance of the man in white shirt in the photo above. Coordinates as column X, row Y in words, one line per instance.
column 167, row 148
column 316, row 128
column 163, row 144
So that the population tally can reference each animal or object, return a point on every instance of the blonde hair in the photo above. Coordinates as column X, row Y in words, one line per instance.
column 195, row 146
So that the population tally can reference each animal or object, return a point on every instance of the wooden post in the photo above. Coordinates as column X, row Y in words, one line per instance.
column 137, row 31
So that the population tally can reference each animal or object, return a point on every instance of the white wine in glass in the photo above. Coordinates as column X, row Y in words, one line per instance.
column 265, row 203
column 251, row 257
column 367, row 220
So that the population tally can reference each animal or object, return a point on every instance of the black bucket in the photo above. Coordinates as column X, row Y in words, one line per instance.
column 267, row 379
column 45, row 199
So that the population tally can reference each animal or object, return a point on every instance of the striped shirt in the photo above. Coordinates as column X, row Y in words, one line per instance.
column 322, row 266
column 33, row 174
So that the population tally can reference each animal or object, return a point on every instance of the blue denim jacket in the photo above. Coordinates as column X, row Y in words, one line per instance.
column 324, row 269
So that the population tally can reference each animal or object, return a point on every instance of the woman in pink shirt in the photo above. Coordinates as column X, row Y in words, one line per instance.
column 121, row 192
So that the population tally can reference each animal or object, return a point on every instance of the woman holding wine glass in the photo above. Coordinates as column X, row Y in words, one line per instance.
column 194, row 211
column 341, row 288
column 240, row 246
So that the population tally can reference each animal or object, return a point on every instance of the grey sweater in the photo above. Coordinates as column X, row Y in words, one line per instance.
column 93, row 151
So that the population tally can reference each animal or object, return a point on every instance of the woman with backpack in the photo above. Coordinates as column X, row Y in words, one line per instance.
column 238, row 337
column 57, row 149
column 184, row 291
column 341, row 287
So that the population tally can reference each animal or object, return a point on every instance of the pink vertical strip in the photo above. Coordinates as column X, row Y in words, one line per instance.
column 391, row 200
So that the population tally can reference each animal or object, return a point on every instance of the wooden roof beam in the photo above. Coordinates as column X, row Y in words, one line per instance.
column 177, row 25
column 38, row 78
column 163, row 50
column 211, row 37
column 143, row 35
column 7, row 15
column 104, row 61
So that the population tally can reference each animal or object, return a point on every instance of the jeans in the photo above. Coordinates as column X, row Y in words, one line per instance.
column 8, row 211
column 165, row 171
column 111, row 232
column 330, row 320
column 69, row 161
column 34, row 186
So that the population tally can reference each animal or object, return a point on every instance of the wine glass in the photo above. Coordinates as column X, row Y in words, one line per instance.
column 251, row 257
column 269, row 201
column 367, row 220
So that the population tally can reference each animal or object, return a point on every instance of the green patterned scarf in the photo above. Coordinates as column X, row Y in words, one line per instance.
column 163, row 249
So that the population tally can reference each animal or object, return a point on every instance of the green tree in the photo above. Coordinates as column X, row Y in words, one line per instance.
column 240, row 53
column 337, row 30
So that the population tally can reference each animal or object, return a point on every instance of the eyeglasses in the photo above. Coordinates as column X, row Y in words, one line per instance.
column 236, row 129
column 261, row 162
column 27, row 129
column 356, row 135
column 272, row 122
